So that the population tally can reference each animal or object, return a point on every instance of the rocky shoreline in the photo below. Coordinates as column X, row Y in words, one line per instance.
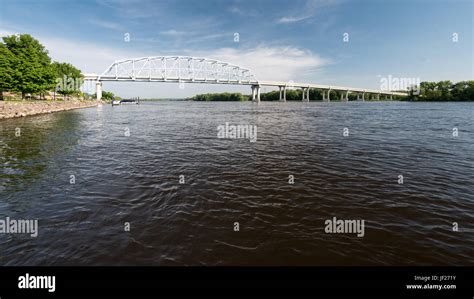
column 12, row 109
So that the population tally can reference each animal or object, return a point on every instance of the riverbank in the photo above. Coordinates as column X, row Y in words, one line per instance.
column 12, row 109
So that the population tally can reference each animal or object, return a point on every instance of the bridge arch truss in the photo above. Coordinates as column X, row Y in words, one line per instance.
column 177, row 69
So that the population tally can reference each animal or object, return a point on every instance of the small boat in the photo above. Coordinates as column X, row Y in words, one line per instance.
column 130, row 101
column 115, row 102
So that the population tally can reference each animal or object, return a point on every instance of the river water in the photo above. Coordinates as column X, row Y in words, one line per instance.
column 88, row 175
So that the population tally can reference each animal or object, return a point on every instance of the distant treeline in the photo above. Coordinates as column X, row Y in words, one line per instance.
column 225, row 96
column 427, row 91
column 443, row 91
column 291, row 95
column 314, row 95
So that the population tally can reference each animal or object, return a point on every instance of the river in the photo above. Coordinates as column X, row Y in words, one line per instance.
column 152, row 184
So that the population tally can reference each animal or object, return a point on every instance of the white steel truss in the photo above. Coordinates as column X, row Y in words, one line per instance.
column 177, row 69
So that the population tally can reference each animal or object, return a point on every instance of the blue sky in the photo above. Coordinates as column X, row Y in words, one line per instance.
column 278, row 40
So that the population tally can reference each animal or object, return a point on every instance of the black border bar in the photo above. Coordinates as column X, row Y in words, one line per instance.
column 219, row 282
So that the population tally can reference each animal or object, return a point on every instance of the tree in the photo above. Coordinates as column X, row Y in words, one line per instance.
column 6, row 70
column 463, row 91
column 106, row 96
column 31, row 65
column 68, row 78
column 444, row 88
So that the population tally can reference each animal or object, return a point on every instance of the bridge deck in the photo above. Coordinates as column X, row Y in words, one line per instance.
column 94, row 77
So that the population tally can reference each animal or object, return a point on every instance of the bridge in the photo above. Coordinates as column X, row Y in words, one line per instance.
column 187, row 69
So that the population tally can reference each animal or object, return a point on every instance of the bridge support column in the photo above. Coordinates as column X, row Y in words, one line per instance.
column 378, row 97
column 346, row 98
column 305, row 94
column 282, row 93
column 98, row 90
column 256, row 93
column 363, row 97
column 328, row 97
column 391, row 97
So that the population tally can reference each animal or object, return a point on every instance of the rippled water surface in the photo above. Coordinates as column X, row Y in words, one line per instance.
column 135, row 179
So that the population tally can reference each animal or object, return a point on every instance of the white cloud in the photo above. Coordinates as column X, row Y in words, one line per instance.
column 173, row 32
column 106, row 24
column 310, row 9
column 271, row 63
column 132, row 9
column 246, row 12
column 283, row 20
column 89, row 58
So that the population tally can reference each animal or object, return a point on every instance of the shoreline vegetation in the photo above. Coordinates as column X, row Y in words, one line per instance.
column 27, row 72
column 31, row 83
column 443, row 91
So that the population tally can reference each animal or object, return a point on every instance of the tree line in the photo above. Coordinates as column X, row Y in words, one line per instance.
column 426, row 91
column 291, row 95
column 26, row 68
column 442, row 91
column 225, row 96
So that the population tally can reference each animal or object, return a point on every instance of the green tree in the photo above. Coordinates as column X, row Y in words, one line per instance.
column 444, row 88
column 463, row 91
column 107, row 96
column 31, row 64
column 68, row 78
column 225, row 96
column 6, row 70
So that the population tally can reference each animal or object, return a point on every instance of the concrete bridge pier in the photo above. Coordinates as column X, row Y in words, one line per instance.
column 305, row 92
column 256, row 93
column 378, row 97
column 282, row 93
column 345, row 96
column 391, row 97
column 326, row 98
column 98, row 90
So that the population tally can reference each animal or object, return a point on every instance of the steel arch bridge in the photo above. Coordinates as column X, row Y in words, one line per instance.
column 177, row 69
column 188, row 69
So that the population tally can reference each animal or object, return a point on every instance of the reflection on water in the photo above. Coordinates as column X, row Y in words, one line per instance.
column 27, row 145
column 126, row 162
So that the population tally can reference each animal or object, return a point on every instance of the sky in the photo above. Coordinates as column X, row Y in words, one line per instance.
column 336, row 42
